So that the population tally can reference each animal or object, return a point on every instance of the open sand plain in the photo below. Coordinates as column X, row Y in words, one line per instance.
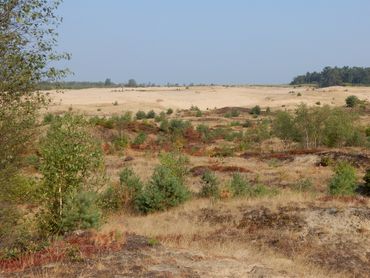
column 106, row 101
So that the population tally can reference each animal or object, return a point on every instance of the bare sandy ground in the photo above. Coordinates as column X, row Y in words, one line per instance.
column 105, row 101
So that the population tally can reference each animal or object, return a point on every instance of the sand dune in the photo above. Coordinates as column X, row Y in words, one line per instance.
column 101, row 100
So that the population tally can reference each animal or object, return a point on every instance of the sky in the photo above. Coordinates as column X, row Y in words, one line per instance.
column 212, row 41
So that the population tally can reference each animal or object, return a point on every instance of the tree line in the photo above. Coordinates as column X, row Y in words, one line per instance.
column 335, row 76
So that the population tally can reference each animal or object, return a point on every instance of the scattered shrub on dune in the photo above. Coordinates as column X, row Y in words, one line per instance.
column 205, row 132
column 151, row 114
column 121, row 142
column 239, row 185
column 119, row 196
column 352, row 101
column 344, row 181
column 169, row 111
column 210, row 185
column 256, row 110
column 48, row 118
column 80, row 212
column 140, row 115
column 176, row 163
column 164, row 190
column 140, row 139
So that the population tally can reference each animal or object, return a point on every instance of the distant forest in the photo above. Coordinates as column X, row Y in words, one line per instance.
column 336, row 76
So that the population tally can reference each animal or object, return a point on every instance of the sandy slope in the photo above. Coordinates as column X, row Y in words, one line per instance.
column 100, row 101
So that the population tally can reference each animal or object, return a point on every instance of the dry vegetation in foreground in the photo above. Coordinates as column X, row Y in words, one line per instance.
column 230, row 192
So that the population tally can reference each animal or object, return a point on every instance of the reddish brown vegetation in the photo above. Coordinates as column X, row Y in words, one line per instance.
column 81, row 245
column 200, row 170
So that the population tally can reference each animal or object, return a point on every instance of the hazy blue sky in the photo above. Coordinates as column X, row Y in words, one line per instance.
column 219, row 41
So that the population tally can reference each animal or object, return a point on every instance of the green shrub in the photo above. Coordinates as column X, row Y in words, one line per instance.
column 236, row 123
column 198, row 113
column 48, row 118
column 352, row 101
column 128, row 179
column 140, row 115
column 317, row 126
column 160, row 117
column 205, row 132
column 127, row 117
column 80, row 212
column 150, row 115
column 103, row 122
column 164, row 191
column 176, row 163
column 344, row 180
column 260, row 132
column 256, row 110
column 239, row 185
column 23, row 189
column 116, row 197
column 210, row 185
column 261, row 190
column 165, row 126
column 140, row 139
column 121, row 142
column 169, row 111
column 178, row 126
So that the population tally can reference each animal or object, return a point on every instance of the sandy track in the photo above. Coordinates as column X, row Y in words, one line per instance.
column 101, row 100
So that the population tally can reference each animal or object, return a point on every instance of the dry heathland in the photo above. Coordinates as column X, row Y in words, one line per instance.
column 225, row 182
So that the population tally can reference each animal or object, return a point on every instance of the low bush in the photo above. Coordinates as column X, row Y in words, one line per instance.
column 165, row 190
column 176, row 163
column 256, row 110
column 210, row 185
column 48, row 118
column 151, row 114
column 352, row 101
column 169, row 111
column 80, row 212
column 140, row 139
column 140, row 115
column 102, row 121
column 344, row 181
column 239, row 185
column 117, row 197
column 205, row 132
column 121, row 142
column 160, row 117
